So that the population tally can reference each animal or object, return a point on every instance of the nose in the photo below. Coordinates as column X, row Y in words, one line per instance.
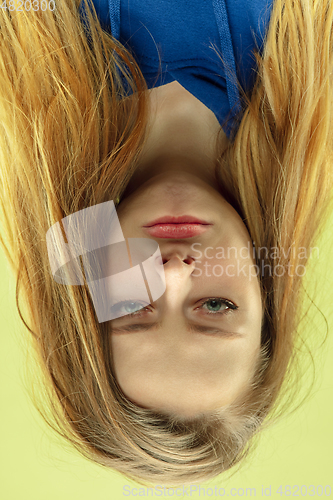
column 178, row 267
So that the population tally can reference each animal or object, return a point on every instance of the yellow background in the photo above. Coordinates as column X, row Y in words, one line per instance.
column 35, row 464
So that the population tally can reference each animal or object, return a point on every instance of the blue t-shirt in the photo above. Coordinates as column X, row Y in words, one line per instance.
column 175, row 40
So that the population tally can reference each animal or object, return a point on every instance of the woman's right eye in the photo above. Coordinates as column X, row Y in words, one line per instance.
column 217, row 305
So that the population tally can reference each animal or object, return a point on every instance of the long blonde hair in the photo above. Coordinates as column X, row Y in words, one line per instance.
column 69, row 140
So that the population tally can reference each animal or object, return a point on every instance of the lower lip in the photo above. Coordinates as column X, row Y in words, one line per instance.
column 176, row 231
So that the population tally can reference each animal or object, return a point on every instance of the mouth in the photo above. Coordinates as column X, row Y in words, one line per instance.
column 183, row 219
column 180, row 227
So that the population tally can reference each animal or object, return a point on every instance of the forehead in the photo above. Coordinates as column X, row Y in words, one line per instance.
column 187, row 375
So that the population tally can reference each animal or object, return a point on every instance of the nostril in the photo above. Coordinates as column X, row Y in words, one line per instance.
column 187, row 260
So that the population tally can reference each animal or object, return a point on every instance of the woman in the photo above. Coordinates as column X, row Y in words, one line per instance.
column 81, row 128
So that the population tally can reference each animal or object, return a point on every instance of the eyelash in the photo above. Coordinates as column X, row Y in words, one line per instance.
column 231, row 307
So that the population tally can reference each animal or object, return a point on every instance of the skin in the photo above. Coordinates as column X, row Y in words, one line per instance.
column 170, row 367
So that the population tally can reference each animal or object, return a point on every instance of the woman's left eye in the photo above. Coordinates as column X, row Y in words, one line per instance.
column 129, row 308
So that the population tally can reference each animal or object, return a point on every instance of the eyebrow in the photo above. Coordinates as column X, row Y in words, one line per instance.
column 193, row 327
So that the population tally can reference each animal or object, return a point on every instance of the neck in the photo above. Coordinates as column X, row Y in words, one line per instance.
column 182, row 135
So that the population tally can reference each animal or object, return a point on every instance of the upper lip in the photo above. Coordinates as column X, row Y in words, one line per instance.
column 183, row 219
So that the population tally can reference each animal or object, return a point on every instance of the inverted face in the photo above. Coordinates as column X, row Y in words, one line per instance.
column 195, row 348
